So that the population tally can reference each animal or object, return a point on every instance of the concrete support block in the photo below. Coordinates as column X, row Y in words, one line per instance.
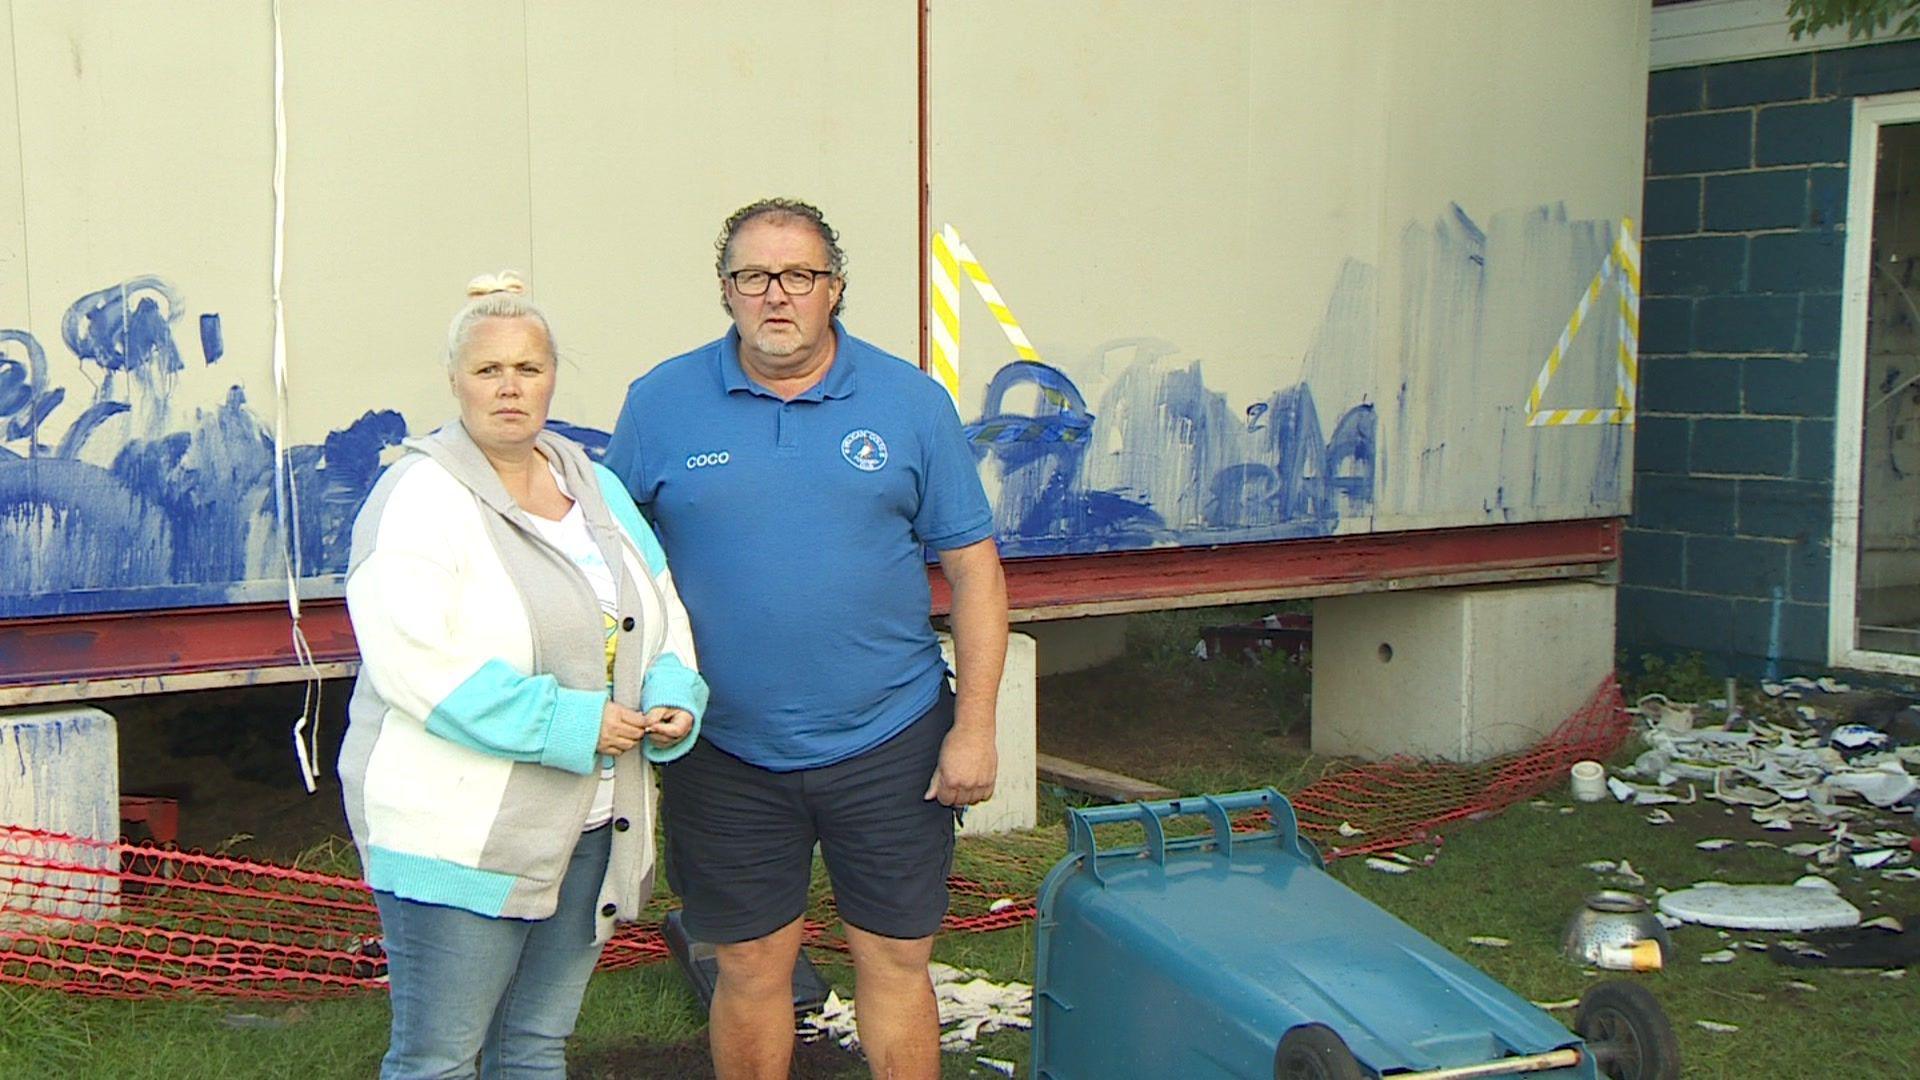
column 1460, row 674
column 1015, row 801
column 1077, row 644
column 59, row 773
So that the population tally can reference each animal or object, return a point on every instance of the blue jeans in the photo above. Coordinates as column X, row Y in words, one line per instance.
column 507, row 990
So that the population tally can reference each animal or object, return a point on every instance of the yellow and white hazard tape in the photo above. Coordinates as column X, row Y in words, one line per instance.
column 948, row 258
column 1622, row 267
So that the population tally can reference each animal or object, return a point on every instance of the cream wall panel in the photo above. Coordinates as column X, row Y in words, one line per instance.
column 651, row 123
column 142, row 153
column 1298, row 263
column 407, row 173
column 14, row 277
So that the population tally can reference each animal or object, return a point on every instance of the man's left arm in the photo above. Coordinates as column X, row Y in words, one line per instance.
column 968, row 758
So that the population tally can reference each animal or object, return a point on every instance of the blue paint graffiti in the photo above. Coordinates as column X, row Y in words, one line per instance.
column 211, row 345
column 1273, row 477
column 161, row 510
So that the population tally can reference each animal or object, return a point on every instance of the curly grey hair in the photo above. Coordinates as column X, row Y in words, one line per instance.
column 782, row 210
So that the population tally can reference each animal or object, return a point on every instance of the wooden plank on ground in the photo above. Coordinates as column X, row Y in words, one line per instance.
column 1096, row 781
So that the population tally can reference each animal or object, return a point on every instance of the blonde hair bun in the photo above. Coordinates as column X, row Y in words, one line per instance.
column 506, row 281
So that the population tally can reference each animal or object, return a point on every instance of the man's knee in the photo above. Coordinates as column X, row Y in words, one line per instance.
column 889, row 959
column 760, row 964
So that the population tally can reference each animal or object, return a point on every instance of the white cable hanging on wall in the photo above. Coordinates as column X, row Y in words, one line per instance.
column 286, row 493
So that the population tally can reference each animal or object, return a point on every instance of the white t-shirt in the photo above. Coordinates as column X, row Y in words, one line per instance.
column 570, row 535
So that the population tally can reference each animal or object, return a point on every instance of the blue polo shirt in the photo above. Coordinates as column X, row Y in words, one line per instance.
column 794, row 531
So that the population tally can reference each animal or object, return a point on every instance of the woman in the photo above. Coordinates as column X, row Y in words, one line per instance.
column 522, row 651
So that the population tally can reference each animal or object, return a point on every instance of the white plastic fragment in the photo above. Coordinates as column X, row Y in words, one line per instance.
column 1001, row 904
column 1894, row 973
column 1657, row 816
column 1628, row 874
column 1489, row 942
column 1387, row 866
column 1905, row 873
column 1717, row 1026
column 1855, row 736
column 1806, row 987
column 1885, row 922
column 1347, row 829
column 1809, row 904
column 1558, row 1006
column 1721, row 956
column 1867, row 860
column 999, row 1065
column 1715, row 844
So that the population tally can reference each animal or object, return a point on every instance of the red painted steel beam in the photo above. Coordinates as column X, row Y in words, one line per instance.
column 247, row 637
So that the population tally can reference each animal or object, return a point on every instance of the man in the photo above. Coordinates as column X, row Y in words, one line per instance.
column 794, row 473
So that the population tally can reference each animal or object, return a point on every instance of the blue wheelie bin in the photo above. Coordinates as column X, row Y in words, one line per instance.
column 1224, row 954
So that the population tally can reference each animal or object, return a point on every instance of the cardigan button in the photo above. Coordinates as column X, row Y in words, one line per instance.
column 608, row 910
column 626, row 623
column 621, row 824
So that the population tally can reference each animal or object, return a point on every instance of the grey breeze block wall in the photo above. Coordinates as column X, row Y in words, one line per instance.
column 1744, row 227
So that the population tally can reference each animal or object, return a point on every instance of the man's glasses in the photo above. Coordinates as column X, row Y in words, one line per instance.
column 795, row 282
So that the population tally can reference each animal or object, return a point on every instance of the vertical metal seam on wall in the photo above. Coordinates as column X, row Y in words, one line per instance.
column 924, row 105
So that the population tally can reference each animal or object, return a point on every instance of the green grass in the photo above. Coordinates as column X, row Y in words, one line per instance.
column 1519, row 876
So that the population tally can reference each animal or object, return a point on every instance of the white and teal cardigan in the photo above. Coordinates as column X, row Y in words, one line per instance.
column 470, row 762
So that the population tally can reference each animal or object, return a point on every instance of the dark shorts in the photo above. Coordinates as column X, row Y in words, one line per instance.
column 740, row 838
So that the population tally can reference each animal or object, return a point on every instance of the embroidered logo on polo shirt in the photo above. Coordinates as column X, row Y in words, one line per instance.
column 701, row 461
column 864, row 449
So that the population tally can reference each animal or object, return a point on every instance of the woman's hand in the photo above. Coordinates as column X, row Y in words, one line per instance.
column 667, row 726
column 621, row 729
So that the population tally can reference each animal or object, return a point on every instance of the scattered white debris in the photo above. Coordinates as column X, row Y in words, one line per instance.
column 1830, row 685
column 1867, row 860
column 1715, row 844
column 1717, row 1026
column 1722, row 956
column 1387, row 866
column 1885, row 922
column 1489, row 942
column 1667, row 920
column 1657, row 816
column 999, row 1065
column 1558, row 1006
column 1806, row 987
column 970, row 1006
column 1566, row 809
column 1905, row 873
column 1347, row 829
column 1894, row 973
column 1001, row 904
column 1628, row 874
column 1856, row 736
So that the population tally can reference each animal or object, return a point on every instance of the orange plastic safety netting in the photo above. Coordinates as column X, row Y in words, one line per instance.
column 126, row 920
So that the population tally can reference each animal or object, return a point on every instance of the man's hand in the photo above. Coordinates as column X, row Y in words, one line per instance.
column 667, row 725
column 968, row 764
column 620, row 729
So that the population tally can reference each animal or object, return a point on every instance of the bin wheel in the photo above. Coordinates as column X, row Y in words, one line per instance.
column 1627, row 1032
column 1314, row 1052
